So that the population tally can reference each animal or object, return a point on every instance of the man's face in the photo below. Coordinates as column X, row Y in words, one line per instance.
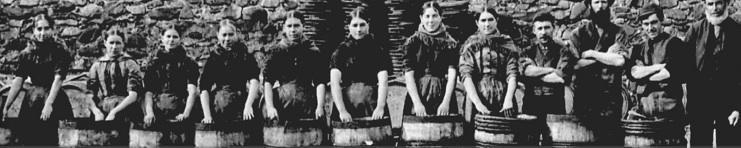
column 543, row 31
column 715, row 8
column 652, row 26
column 600, row 5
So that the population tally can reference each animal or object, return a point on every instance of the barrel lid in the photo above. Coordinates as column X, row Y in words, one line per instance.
column 364, row 122
column 436, row 119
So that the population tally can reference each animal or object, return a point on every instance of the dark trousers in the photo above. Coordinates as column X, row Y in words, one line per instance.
column 702, row 126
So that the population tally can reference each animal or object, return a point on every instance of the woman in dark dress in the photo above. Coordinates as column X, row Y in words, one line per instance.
column 430, row 60
column 46, row 63
column 170, row 82
column 295, row 65
column 114, row 80
column 230, row 68
column 359, row 73
column 488, row 65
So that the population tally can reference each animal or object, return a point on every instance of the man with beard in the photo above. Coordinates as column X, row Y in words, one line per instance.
column 716, row 75
column 598, row 72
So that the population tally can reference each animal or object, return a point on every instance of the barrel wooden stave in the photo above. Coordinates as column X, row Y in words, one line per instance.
column 144, row 138
column 90, row 133
column 305, row 132
column 360, row 131
column 9, row 134
column 493, row 130
column 653, row 133
column 432, row 130
column 569, row 130
column 162, row 134
column 240, row 133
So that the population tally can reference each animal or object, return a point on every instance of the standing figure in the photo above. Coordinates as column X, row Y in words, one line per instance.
column 488, row 66
column 228, row 71
column 715, row 79
column 295, row 66
column 598, row 85
column 359, row 73
column 658, row 92
column 546, row 68
column 115, row 80
column 170, row 82
column 430, row 60
column 46, row 63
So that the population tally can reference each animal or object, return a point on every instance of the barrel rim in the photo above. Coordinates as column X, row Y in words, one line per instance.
column 241, row 125
column 84, row 123
column 364, row 122
column 482, row 116
column 434, row 119
column 301, row 123
column 163, row 126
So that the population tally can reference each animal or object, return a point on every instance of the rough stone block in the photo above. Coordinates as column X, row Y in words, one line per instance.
column 668, row 3
column 29, row 3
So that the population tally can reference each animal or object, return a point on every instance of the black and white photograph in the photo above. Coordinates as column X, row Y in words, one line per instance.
column 297, row 73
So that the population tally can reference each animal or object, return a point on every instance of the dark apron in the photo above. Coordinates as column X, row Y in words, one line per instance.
column 431, row 90
column 295, row 101
column 360, row 101
column 228, row 103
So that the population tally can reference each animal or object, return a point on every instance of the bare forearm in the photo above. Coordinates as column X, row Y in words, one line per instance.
column 252, row 94
column 640, row 72
column 321, row 91
column 450, row 86
column 382, row 89
column 536, row 71
column 205, row 103
column 335, row 78
column 15, row 87
column 148, row 103
column 471, row 91
column 268, row 90
column 126, row 102
column 584, row 63
column 55, row 87
column 412, row 87
column 192, row 93
column 612, row 59
column 511, row 86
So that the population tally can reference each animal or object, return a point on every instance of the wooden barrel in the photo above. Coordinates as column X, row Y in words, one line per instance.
column 494, row 130
column 362, row 131
column 304, row 132
column 236, row 133
column 653, row 133
column 569, row 130
column 9, row 134
column 85, row 132
column 432, row 130
column 162, row 134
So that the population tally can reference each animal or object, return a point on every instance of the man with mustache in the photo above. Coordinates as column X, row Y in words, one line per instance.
column 712, row 99
column 652, row 68
column 598, row 72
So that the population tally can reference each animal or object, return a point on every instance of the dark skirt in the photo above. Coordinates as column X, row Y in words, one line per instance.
column 360, row 101
column 544, row 99
column 295, row 101
column 431, row 91
column 228, row 104
column 35, row 100
column 492, row 92
column 167, row 106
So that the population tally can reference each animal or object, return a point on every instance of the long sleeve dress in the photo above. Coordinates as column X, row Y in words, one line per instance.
column 360, row 61
column 490, row 60
column 167, row 76
column 298, row 68
column 229, row 73
column 430, row 57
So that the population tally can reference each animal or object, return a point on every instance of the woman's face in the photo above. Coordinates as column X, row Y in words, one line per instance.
column 358, row 28
column 430, row 19
column 42, row 31
column 114, row 45
column 171, row 39
column 227, row 36
column 487, row 23
column 293, row 28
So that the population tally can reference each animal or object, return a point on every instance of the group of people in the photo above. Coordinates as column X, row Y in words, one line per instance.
column 489, row 64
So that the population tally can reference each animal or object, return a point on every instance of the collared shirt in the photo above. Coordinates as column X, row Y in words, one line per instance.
column 361, row 60
column 598, row 77
column 170, row 71
column 234, row 67
column 550, row 55
column 115, row 76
